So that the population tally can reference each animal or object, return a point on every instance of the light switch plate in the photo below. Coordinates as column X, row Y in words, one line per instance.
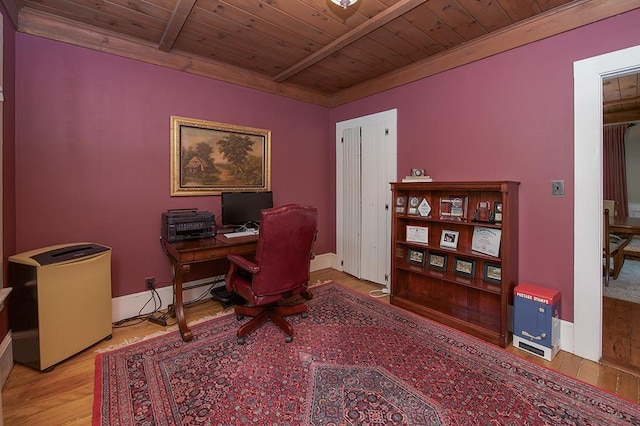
column 557, row 188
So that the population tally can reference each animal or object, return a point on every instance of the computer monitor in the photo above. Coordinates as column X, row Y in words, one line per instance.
column 243, row 208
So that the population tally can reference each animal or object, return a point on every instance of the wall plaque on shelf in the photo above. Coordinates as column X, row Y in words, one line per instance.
column 401, row 204
column 483, row 212
column 414, row 202
column 416, row 257
column 497, row 209
column 437, row 261
column 453, row 207
column 424, row 208
column 492, row 273
column 486, row 240
column 464, row 267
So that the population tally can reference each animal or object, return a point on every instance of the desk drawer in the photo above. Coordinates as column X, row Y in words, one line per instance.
column 243, row 249
column 216, row 253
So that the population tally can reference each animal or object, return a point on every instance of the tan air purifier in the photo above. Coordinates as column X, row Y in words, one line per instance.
column 60, row 303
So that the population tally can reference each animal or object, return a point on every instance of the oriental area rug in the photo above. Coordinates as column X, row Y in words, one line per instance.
column 627, row 285
column 353, row 361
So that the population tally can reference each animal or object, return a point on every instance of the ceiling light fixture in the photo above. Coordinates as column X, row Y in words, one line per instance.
column 344, row 3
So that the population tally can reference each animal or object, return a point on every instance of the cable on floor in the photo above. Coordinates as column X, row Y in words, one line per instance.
column 384, row 292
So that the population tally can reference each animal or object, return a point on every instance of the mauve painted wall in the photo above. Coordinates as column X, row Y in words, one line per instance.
column 508, row 117
column 93, row 152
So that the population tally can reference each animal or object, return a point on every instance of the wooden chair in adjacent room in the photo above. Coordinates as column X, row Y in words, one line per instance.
column 612, row 206
column 279, row 270
column 632, row 250
column 612, row 250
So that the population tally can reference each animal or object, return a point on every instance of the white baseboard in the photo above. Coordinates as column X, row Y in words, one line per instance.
column 322, row 261
column 566, row 336
column 129, row 306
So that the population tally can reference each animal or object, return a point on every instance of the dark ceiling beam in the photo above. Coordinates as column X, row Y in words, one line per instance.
column 621, row 101
column 42, row 24
column 547, row 24
column 621, row 117
column 176, row 22
column 360, row 31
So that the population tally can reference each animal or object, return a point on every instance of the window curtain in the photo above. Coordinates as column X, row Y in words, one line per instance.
column 614, row 168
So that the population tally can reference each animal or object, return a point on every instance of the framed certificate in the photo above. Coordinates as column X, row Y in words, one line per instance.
column 437, row 261
column 486, row 240
column 492, row 273
column 417, row 234
column 449, row 239
column 464, row 267
column 415, row 256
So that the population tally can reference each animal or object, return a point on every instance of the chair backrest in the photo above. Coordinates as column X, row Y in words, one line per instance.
column 284, row 250
column 612, row 206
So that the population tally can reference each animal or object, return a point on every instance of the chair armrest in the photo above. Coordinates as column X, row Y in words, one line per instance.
column 243, row 263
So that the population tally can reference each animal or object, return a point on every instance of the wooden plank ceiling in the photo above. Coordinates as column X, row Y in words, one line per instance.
column 621, row 99
column 312, row 50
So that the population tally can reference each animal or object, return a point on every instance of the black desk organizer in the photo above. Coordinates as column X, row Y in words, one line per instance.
column 225, row 297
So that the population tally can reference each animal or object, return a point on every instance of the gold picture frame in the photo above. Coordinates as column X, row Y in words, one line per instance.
column 208, row 158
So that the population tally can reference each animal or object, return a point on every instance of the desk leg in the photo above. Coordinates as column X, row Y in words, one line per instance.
column 185, row 332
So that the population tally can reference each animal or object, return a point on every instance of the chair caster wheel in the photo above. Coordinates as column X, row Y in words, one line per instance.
column 288, row 339
column 304, row 314
column 239, row 317
column 240, row 340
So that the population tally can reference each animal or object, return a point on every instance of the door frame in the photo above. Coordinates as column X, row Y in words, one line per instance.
column 587, row 231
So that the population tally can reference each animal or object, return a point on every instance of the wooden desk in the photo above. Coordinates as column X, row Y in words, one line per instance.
column 183, row 254
column 625, row 225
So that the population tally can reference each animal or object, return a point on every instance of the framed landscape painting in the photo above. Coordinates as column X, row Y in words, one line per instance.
column 208, row 158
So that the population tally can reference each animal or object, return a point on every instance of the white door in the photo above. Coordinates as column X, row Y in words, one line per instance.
column 365, row 165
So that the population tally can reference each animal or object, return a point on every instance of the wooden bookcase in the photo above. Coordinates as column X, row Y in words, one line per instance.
column 457, row 286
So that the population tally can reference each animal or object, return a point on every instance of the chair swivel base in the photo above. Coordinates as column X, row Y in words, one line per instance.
column 262, row 314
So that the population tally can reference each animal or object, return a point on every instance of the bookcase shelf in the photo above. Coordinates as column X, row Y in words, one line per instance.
column 465, row 284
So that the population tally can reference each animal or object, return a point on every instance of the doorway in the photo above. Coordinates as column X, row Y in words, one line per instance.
column 366, row 152
column 587, row 242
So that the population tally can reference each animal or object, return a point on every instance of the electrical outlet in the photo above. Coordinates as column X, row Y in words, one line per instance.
column 150, row 283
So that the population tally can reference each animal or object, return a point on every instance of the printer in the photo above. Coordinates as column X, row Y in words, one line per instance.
column 187, row 224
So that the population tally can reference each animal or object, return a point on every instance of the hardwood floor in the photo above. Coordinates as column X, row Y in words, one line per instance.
column 621, row 334
column 64, row 396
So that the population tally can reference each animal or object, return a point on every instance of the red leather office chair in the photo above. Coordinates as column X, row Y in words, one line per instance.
column 280, row 269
